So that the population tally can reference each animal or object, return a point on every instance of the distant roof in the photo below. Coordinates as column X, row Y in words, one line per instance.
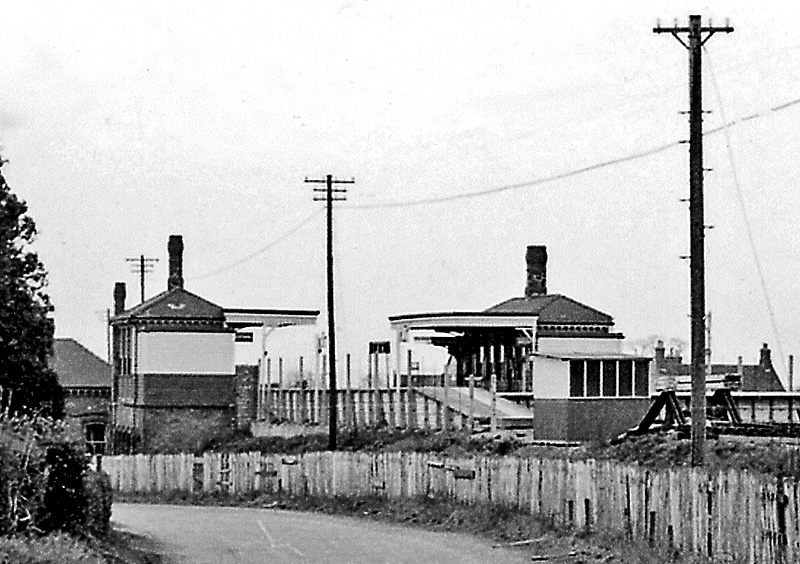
column 553, row 308
column 176, row 304
column 592, row 356
column 77, row 366
column 755, row 377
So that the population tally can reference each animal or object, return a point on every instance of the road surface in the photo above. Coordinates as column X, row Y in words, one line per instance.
column 227, row 535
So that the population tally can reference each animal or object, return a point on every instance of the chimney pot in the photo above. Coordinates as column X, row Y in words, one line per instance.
column 119, row 297
column 175, row 252
column 536, row 259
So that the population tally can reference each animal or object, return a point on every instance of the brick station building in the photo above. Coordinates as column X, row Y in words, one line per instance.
column 175, row 380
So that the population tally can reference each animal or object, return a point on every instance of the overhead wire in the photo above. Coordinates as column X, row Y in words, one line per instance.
column 509, row 187
column 569, row 173
column 297, row 227
column 740, row 198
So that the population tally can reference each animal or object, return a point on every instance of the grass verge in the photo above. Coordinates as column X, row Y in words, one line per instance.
column 59, row 548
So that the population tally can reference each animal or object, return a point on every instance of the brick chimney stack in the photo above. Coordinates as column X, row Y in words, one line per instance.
column 536, row 259
column 766, row 356
column 175, row 251
column 119, row 297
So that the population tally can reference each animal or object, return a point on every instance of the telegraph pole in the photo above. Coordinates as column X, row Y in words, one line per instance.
column 697, row 35
column 142, row 265
column 331, row 195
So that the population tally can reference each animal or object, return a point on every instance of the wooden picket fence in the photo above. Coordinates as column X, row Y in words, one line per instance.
column 732, row 516
column 359, row 408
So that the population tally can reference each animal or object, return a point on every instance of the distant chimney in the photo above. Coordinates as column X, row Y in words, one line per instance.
column 659, row 350
column 766, row 357
column 536, row 258
column 175, row 251
column 119, row 297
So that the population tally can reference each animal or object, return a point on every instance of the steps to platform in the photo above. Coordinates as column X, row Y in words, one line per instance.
column 509, row 414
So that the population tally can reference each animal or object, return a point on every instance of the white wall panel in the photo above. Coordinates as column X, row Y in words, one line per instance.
column 186, row 353
column 565, row 345
column 550, row 378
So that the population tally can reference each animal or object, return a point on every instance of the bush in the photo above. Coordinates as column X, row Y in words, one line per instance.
column 52, row 549
column 97, row 487
column 64, row 499
column 44, row 484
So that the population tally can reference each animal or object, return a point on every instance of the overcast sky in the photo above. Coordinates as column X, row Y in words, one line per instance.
column 125, row 122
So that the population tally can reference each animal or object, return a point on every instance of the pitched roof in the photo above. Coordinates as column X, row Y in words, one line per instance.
column 176, row 304
column 553, row 308
column 77, row 366
column 755, row 377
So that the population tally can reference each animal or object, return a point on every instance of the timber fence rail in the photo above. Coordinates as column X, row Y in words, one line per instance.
column 359, row 408
column 731, row 516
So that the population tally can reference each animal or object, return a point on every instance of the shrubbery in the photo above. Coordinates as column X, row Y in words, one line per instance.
column 53, row 549
column 44, row 483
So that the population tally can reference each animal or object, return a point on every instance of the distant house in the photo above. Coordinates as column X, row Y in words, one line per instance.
column 548, row 351
column 175, row 379
column 86, row 381
column 671, row 372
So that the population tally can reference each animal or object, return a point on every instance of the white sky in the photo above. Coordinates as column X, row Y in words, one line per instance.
column 126, row 122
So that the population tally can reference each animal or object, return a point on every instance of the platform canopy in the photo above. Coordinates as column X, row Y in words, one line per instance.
column 239, row 318
column 460, row 321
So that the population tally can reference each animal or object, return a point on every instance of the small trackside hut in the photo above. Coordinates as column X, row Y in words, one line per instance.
column 557, row 357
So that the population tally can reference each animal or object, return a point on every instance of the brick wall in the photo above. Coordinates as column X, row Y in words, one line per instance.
column 82, row 407
column 183, row 429
column 190, row 390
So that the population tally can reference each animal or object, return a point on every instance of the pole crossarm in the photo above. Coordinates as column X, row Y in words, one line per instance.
column 142, row 265
column 709, row 30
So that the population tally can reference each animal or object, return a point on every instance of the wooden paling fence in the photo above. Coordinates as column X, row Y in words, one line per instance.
column 359, row 408
column 731, row 515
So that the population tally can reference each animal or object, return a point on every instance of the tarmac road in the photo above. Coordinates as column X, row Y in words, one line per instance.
column 226, row 535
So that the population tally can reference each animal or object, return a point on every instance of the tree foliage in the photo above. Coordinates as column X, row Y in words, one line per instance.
column 26, row 328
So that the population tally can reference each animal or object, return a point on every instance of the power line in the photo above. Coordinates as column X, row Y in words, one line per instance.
column 745, row 216
column 570, row 173
column 305, row 221
column 506, row 188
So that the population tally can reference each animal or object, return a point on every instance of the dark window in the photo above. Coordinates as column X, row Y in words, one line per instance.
column 576, row 379
column 592, row 378
column 95, row 438
column 642, row 378
column 625, row 378
column 609, row 377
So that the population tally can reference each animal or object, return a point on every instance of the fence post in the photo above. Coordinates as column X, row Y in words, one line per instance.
column 493, row 375
column 283, row 413
column 412, row 399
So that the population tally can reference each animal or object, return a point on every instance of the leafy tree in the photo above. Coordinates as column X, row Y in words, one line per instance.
column 26, row 330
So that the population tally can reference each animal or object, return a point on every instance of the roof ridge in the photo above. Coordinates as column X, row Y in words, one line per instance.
column 576, row 302
column 83, row 347
column 526, row 298
column 145, row 305
column 90, row 352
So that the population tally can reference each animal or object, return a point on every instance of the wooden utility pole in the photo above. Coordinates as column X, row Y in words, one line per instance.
column 142, row 265
column 697, row 35
column 331, row 194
